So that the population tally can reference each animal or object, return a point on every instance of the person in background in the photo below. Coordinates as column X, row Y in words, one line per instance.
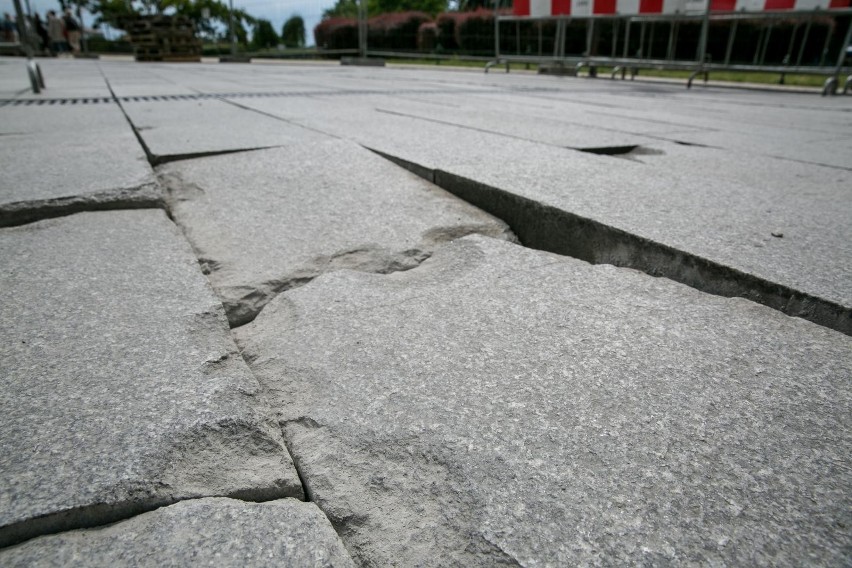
column 8, row 29
column 72, row 28
column 56, row 32
column 41, row 32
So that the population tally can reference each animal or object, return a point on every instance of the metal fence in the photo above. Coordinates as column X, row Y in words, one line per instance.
column 776, row 36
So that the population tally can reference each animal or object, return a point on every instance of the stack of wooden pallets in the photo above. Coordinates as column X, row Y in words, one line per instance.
column 164, row 38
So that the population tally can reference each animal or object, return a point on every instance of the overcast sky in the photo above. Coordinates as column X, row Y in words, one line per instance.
column 276, row 11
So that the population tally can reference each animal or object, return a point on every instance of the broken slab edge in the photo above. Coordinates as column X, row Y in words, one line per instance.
column 195, row 532
column 100, row 514
column 548, row 228
column 145, row 196
column 363, row 61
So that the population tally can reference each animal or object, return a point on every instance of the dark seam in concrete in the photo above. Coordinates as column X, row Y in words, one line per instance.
column 609, row 150
column 548, row 228
column 280, row 118
column 306, row 489
column 142, row 143
column 25, row 212
column 159, row 160
column 514, row 137
column 103, row 514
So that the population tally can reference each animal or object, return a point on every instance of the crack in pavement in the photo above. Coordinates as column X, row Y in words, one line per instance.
column 543, row 227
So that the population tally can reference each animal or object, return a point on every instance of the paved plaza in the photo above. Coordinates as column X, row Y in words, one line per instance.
column 308, row 314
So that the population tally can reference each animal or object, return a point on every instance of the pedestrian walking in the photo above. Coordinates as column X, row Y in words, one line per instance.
column 56, row 32
column 41, row 32
column 8, row 29
column 72, row 30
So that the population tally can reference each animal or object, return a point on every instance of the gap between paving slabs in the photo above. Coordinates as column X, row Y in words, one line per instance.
column 300, row 218
column 147, row 196
column 547, row 228
column 147, row 497
column 106, row 515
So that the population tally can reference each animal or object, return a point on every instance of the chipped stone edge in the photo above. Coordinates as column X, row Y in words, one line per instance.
column 148, row 195
column 548, row 228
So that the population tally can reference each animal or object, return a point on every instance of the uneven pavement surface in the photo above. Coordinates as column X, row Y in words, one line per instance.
column 313, row 315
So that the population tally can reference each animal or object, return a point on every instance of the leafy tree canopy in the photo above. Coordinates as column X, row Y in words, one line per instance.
column 210, row 17
column 293, row 32
column 349, row 8
column 264, row 35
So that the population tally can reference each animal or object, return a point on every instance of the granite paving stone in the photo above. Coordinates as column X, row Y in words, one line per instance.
column 503, row 406
column 200, row 532
column 264, row 221
column 716, row 204
column 690, row 208
column 723, row 206
column 57, row 157
column 184, row 128
column 63, row 79
column 121, row 388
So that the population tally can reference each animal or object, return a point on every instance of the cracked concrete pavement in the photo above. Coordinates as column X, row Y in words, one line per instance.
column 311, row 315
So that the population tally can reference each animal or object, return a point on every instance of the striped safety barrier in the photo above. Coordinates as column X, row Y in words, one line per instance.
column 588, row 8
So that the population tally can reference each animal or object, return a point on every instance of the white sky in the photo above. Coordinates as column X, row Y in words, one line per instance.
column 276, row 11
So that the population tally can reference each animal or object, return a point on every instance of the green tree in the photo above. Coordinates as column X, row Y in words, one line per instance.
column 433, row 7
column 293, row 32
column 264, row 35
column 471, row 5
column 210, row 17
column 349, row 8
column 342, row 9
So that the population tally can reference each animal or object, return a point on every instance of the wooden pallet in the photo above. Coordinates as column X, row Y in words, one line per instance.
column 164, row 38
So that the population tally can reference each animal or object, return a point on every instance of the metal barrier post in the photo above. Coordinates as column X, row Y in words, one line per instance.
column 496, row 29
column 844, row 46
column 670, row 50
column 804, row 41
column 759, row 46
column 730, row 47
column 828, row 37
column 540, row 39
column 518, row 37
column 615, row 37
column 497, row 57
column 362, row 29
column 830, row 87
column 705, row 31
column 33, row 71
column 651, row 42
column 766, row 43
column 231, row 27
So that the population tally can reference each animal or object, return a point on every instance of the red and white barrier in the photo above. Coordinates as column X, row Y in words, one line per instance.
column 587, row 8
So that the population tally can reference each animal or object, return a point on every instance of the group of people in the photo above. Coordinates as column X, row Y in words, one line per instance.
column 56, row 35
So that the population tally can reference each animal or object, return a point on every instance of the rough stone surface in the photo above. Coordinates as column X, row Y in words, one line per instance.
column 264, row 221
column 54, row 156
column 187, row 128
column 202, row 532
column 498, row 405
column 716, row 203
column 121, row 387
column 727, row 221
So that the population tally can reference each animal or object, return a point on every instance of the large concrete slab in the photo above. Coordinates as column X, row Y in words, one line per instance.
column 173, row 129
column 502, row 406
column 792, row 232
column 764, row 219
column 264, row 221
column 121, row 388
column 64, row 78
column 200, row 532
column 65, row 158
